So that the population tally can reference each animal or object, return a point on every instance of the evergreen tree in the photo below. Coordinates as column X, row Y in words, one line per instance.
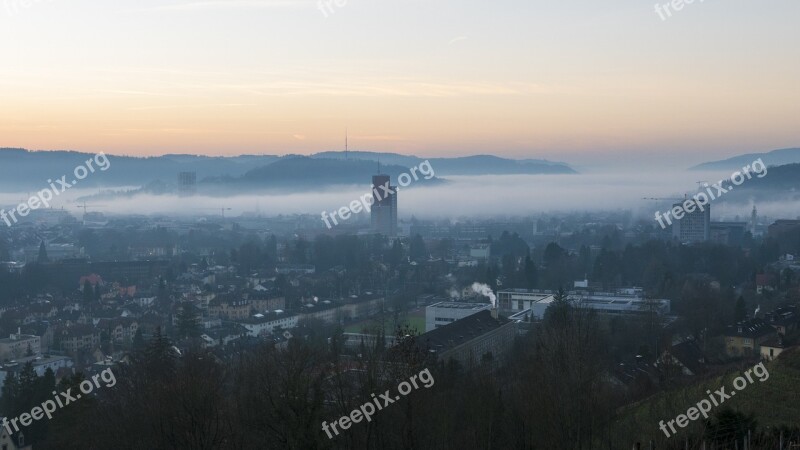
column 27, row 381
column 159, row 357
column 138, row 340
column 788, row 275
column 88, row 292
column 531, row 273
column 740, row 311
column 163, row 293
column 396, row 253
column 4, row 254
column 418, row 251
column 10, row 395
column 188, row 321
column 558, row 315
column 42, row 258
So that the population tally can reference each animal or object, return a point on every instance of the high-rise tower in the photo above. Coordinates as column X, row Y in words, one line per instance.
column 384, row 205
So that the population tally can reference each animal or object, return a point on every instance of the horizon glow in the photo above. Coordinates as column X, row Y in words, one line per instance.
column 575, row 81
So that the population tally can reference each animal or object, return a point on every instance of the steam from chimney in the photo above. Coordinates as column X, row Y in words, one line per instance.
column 755, row 314
column 486, row 291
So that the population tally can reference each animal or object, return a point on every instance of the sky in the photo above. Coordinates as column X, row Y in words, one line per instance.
column 580, row 81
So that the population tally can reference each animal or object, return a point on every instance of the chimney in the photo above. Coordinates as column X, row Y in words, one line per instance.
column 494, row 313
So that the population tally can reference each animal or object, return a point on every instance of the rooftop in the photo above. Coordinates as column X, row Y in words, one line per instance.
column 460, row 331
column 461, row 305
column 750, row 329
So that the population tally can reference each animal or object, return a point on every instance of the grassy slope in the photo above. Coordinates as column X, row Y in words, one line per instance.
column 414, row 319
column 775, row 401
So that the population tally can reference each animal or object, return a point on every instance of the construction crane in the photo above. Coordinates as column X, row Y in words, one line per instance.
column 664, row 199
column 85, row 207
column 221, row 210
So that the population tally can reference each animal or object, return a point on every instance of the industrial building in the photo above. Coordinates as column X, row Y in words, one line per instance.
column 481, row 338
column 620, row 302
column 444, row 313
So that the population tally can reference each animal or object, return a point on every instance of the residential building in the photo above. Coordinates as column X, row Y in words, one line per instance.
column 266, row 303
column 686, row 356
column 230, row 308
column 78, row 337
column 766, row 281
column 383, row 212
column 781, row 228
column 353, row 307
column 121, row 329
column 295, row 269
column 727, row 233
column 772, row 348
column 784, row 319
column 263, row 324
column 480, row 251
column 187, row 183
column 745, row 338
column 693, row 226
column 12, row 442
column 18, row 345
column 40, row 365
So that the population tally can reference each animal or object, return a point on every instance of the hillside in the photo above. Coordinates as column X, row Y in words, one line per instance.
column 775, row 402
column 773, row 158
column 22, row 170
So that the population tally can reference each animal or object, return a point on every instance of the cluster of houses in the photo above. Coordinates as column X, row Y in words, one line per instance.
column 754, row 338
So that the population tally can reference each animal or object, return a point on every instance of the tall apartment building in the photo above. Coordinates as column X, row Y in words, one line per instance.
column 694, row 226
column 384, row 206
column 187, row 183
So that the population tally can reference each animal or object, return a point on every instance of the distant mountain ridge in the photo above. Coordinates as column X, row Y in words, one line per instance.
column 773, row 158
column 22, row 169
column 781, row 183
column 463, row 165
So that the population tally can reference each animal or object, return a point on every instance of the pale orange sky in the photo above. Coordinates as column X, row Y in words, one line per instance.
column 574, row 80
